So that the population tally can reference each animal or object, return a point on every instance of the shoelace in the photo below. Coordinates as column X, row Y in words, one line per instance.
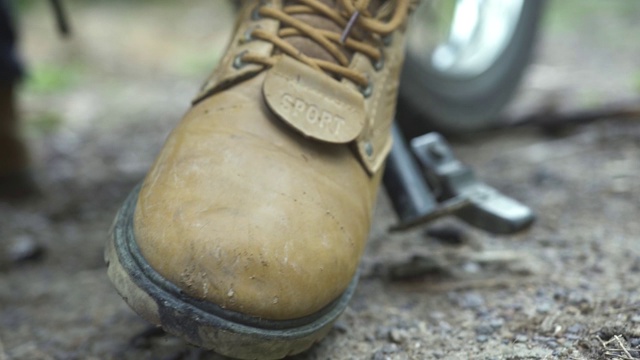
column 350, row 13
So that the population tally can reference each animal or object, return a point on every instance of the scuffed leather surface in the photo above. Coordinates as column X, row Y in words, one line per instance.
column 244, row 212
column 251, row 210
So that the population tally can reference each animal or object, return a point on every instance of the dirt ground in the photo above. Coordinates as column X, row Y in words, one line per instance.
column 97, row 108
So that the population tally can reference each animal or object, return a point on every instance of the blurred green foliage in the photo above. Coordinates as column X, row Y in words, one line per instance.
column 43, row 124
column 47, row 78
column 25, row 4
column 567, row 14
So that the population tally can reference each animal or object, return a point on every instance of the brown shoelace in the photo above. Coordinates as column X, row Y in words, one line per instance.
column 350, row 13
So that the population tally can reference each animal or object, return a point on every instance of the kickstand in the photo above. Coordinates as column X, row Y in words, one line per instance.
column 425, row 181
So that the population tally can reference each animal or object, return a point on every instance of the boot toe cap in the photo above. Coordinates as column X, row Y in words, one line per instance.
column 250, row 227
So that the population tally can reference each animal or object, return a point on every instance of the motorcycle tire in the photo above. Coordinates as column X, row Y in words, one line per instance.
column 461, row 102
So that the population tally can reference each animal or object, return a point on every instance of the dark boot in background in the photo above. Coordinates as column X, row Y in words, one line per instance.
column 15, row 180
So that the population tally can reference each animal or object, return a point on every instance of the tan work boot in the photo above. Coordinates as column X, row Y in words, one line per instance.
column 15, row 180
column 245, row 236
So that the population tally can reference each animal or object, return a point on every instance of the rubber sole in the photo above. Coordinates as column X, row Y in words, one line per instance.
column 202, row 323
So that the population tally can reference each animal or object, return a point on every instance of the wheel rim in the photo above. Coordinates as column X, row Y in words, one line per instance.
column 464, row 38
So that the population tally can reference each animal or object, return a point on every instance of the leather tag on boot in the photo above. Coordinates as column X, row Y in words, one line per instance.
column 313, row 103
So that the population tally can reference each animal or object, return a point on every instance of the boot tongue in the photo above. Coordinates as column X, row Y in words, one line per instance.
column 308, row 46
column 309, row 102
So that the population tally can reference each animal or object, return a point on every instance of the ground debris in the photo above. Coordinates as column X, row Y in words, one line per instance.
column 463, row 265
column 552, row 120
column 25, row 248
column 618, row 347
column 22, row 248
column 448, row 234
column 618, row 342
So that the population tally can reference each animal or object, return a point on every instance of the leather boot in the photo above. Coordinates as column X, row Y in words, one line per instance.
column 246, row 234
column 15, row 180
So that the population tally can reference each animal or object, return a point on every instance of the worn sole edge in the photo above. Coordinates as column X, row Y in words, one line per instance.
column 243, row 337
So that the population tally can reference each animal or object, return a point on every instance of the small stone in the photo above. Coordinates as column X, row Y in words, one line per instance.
column 382, row 332
column 552, row 344
column 445, row 326
column 560, row 294
column 482, row 338
column 398, row 336
column 538, row 338
column 543, row 308
column 340, row 327
column 496, row 323
column 634, row 342
column 544, row 177
column 470, row 300
column 578, row 299
column 572, row 337
column 24, row 248
column 521, row 338
column 471, row 267
column 382, row 353
column 437, row 354
column 484, row 329
column 389, row 348
column 635, row 319
column 575, row 329
column 437, row 315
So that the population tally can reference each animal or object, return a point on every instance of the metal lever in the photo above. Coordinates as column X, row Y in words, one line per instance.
column 486, row 207
column 439, row 185
column 61, row 18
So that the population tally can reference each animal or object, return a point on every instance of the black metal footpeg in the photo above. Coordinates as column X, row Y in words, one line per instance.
column 438, row 184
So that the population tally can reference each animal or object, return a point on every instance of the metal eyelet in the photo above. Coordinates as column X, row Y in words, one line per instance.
column 379, row 64
column 368, row 148
column 255, row 14
column 247, row 36
column 367, row 90
column 387, row 40
column 237, row 61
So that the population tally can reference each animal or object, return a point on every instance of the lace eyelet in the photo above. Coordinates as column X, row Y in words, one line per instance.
column 367, row 90
column 368, row 148
column 379, row 64
column 387, row 40
column 247, row 36
column 255, row 14
column 237, row 61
